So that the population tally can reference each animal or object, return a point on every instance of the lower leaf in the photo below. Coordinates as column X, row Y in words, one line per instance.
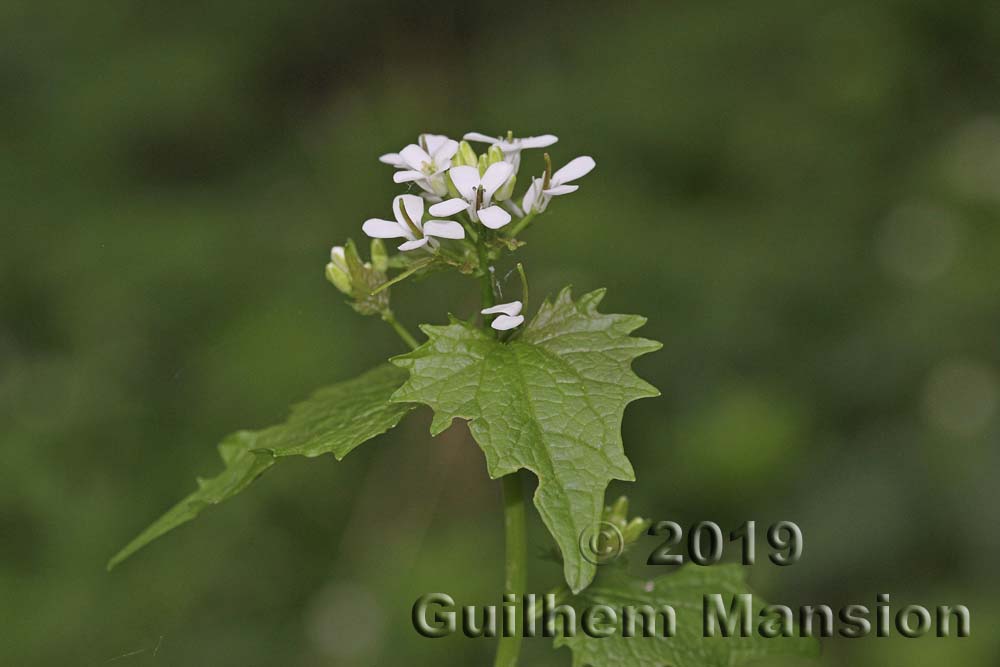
column 334, row 420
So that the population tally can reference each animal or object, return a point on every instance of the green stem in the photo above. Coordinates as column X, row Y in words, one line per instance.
column 404, row 275
column 524, row 287
column 516, row 562
column 390, row 318
column 514, row 519
column 488, row 297
column 521, row 224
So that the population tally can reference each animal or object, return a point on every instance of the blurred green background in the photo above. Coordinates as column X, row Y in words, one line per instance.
column 803, row 197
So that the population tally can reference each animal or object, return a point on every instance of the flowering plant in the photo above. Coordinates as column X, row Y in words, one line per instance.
column 546, row 395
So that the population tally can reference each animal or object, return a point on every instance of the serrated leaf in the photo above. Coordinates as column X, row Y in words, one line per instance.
column 334, row 420
column 684, row 591
column 550, row 401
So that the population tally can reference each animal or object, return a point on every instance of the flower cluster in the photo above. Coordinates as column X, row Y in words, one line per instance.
column 460, row 212
column 465, row 189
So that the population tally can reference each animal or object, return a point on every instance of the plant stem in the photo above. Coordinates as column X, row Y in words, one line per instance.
column 390, row 318
column 486, row 280
column 521, row 224
column 516, row 563
column 514, row 520
column 404, row 275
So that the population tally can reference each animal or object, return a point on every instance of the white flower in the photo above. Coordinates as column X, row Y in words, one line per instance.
column 476, row 193
column 512, row 146
column 424, row 164
column 510, row 315
column 539, row 193
column 409, row 212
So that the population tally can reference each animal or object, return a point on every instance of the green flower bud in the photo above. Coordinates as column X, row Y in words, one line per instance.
column 337, row 271
column 635, row 529
column 452, row 190
column 494, row 155
column 618, row 511
column 506, row 190
column 365, row 278
column 483, row 164
column 617, row 515
column 380, row 258
column 466, row 156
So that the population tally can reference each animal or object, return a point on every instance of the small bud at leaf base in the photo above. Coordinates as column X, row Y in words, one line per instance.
column 380, row 258
column 635, row 529
column 466, row 156
column 494, row 155
column 619, row 509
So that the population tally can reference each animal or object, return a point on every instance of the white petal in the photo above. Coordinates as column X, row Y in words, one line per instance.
column 479, row 136
column 414, row 208
column 392, row 158
column 382, row 229
column 407, row 176
column 531, row 196
column 494, row 217
column 444, row 229
column 442, row 156
column 495, row 176
column 434, row 142
column 415, row 157
column 466, row 180
column 449, row 207
column 513, row 308
column 337, row 253
column 413, row 245
column 505, row 322
column 576, row 168
column 561, row 190
column 540, row 141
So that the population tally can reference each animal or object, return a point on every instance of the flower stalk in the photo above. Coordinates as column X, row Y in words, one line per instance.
column 390, row 318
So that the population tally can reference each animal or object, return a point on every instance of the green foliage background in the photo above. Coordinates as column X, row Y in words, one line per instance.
column 803, row 197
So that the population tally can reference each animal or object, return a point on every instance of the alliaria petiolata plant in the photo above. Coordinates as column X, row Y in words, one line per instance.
column 545, row 395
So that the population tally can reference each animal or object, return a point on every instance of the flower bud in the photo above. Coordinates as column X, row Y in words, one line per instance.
column 635, row 529
column 439, row 185
column 618, row 511
column 483, row 164
column 617, row 515
column 494, row 155
column 466, row 156
column 505, row 191
column 450, row 185
column 337, row 272
column 380, row 258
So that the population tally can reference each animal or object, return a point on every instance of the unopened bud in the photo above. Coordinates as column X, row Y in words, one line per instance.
column 483, row 164
column 380, row 258
column 635, row 529
column 494, row 155
column 466, row 156
column 619, row 510
column 336, row 270
column 617, row 515
column 450, row 185
column 505, row 191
